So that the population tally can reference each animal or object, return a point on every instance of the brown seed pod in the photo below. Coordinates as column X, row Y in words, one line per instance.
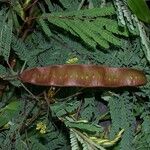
column 83, row 76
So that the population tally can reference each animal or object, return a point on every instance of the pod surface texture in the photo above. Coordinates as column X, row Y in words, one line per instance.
column 83, row 76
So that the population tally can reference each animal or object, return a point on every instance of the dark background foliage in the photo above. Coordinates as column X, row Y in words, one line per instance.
column 103, row 32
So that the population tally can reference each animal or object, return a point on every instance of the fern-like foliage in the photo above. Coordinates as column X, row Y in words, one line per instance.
column 29, row 50
column 74, row 141
column 83, row 125
column 86, row 143
column 75, row 118
column 20, row 49
column 89, row 110
column 91, row 25
column 5, row 37
column 122, row 117
column 144, row 38
column 134, row 25
column 141, row 140
column 63, row 108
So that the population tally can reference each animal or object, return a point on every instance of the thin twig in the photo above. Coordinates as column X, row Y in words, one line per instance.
column 23, row 66
column 67, row 98
column 31, row 4
column 49, row 112
column 29, row 92
column 79, row 108
column 81, row 4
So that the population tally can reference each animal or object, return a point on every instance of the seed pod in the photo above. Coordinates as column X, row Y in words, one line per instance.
column 83, row 76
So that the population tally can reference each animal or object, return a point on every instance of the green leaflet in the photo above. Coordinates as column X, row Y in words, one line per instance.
column 134, row 25
column 111, row 25
column 140, row 8
column 91, row 25
column 95, row 12
column 121, row 111
column 111, row 38
column 8, row 112
column 63, row 108
column 5, row 38
column 83, row 125
column 8, row 39
column 142, row 140
column 26, row 52
column 20, row 48
column 73, row 141
column 144, row 39
column 45, row 27
column 125, row 17
column 68, row 4
column 86, row 143
column 19, row 9
column 93, row 32
column 89, row 109
column 82, row 32
column 62, row 23
column 83, row 142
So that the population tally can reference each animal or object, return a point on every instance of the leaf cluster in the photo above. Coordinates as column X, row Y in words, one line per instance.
column 41, row 33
